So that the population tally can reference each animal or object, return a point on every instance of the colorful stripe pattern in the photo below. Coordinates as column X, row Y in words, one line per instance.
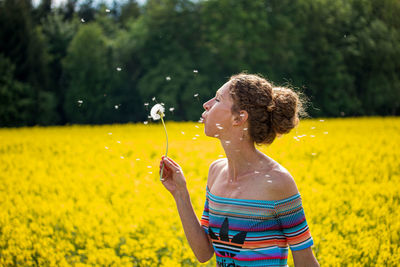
column 255, row 232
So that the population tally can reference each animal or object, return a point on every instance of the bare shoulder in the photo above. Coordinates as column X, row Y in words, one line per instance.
column 214, row 170
column 281, row 184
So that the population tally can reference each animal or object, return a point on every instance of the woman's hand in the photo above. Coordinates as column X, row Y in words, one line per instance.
column 173, row 178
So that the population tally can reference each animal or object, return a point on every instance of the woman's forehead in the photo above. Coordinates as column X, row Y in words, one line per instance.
column 224, row 89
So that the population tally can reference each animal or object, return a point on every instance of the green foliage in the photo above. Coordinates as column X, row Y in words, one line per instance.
column 343, row 54
column 16, row 98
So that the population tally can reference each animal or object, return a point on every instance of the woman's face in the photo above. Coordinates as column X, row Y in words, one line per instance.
column 217, row 118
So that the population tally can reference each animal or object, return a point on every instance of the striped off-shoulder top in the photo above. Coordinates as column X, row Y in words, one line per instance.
column 255, row 232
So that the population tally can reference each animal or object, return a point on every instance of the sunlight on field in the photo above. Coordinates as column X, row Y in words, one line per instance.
column 84, row 195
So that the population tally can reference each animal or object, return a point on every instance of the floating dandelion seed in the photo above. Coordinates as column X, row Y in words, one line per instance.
column 321, row 120
column 116, row 106
column 220, row 127
column 82, row 20
column 297, row 139
column 171, row 109
column 149, row 117
column 325, row 132
column 201, row 120
column 119, row 142
column 109, row 133
column 122, row 157
column 313, row 154
column 196, row 126
column 107, row 10
column 137, row 159
column 106, row 147
column 216, row 135
column 150, row 172
column 244, row 129
column 154, row 98
column 145, row 122
column 312, row 128
column 194, row 138
column 195, row 71
column 182, row 132
column 227, row 142
column 80, row 101
column 269, row 181
column 119, row 69
column 149, row 167
column 267, row 175
column 196, row 95
column 197, row 135
column 256, row 172
column 312, row 135
column 146, row 104
column 168, row 78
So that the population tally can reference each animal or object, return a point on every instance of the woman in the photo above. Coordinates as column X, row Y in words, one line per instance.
column 253, row 209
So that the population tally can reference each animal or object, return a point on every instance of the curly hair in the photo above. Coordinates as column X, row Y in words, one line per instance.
column 272, row 110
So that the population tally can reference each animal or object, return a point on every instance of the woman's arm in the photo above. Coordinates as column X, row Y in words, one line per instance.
column 304, row 258
column 175, row 182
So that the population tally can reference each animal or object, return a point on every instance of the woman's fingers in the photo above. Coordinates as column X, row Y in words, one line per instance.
column 173, row 162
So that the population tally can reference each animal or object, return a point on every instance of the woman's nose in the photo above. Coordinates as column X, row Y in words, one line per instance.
column 206, row 105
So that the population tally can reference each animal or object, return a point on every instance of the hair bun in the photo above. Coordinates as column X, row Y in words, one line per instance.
column 271, row 106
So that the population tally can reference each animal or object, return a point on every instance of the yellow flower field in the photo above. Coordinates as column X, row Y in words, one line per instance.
column 91, row 195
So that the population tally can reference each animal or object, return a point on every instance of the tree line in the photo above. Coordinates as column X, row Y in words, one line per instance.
column 87, row 62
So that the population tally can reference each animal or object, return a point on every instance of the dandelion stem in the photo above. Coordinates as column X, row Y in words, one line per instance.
column 166, row 152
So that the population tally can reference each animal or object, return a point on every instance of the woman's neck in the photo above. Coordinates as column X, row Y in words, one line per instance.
column 243, row 158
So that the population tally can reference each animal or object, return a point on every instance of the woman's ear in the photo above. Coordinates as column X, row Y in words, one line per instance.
column 240, row 118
